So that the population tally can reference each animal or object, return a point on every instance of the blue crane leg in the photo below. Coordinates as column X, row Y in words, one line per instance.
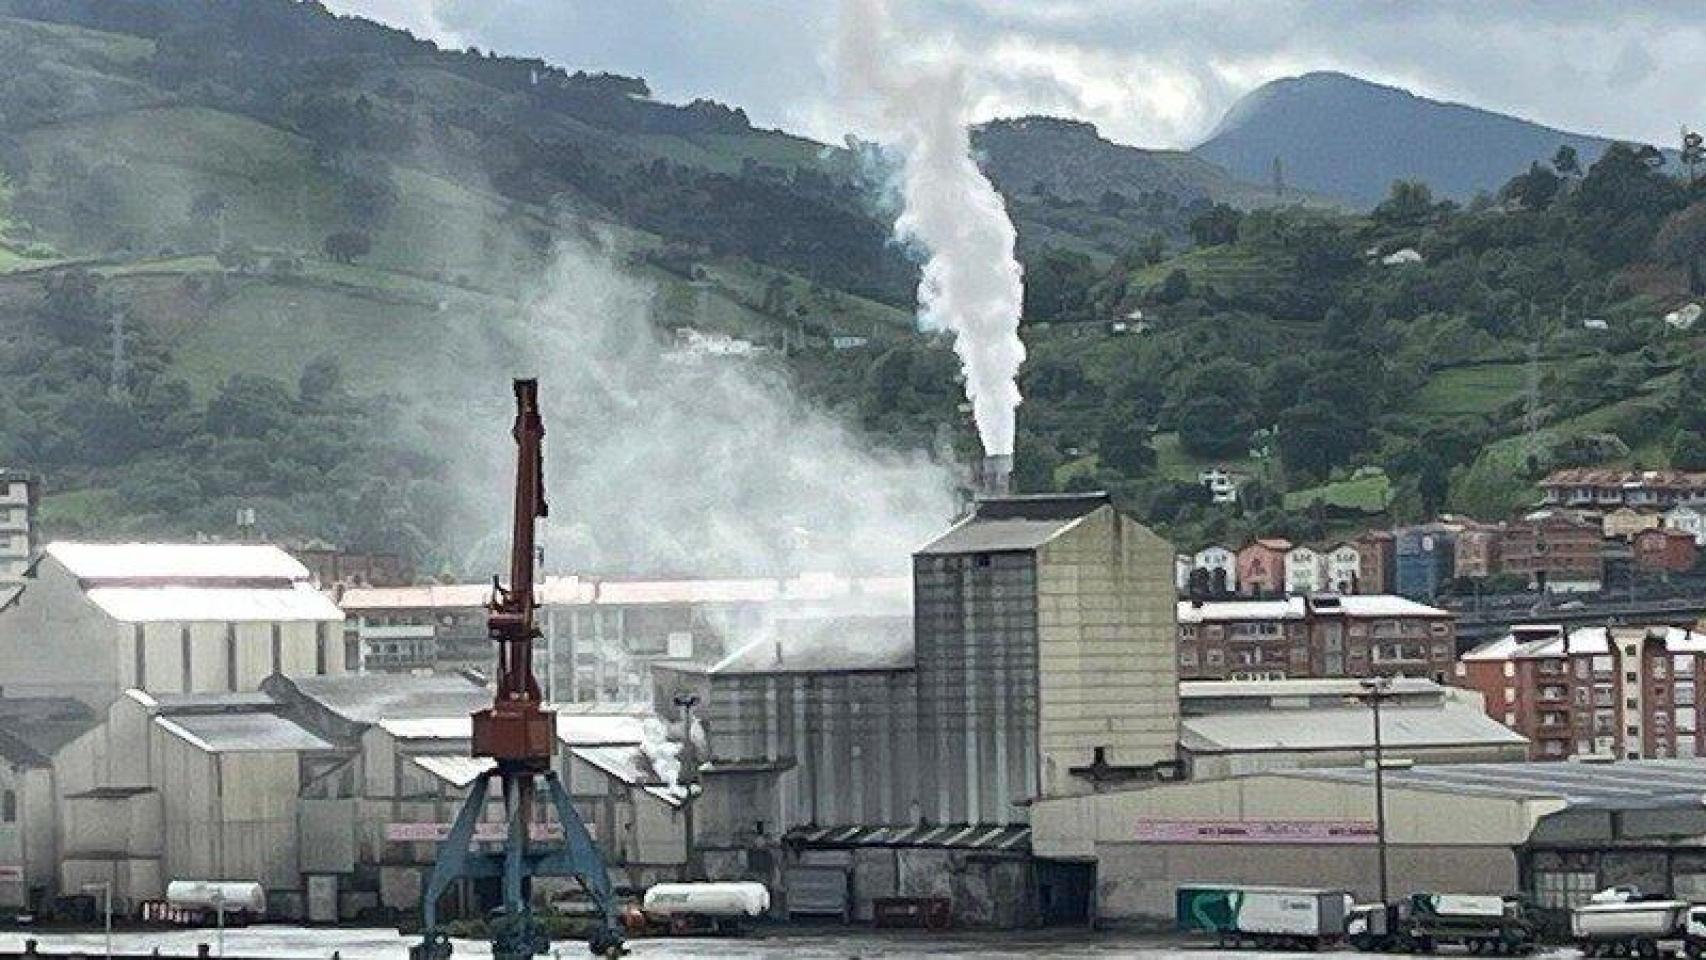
column 448, row 865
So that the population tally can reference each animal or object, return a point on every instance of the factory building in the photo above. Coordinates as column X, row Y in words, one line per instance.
column 1554, row 832
column 31, row 731
column 1234, row 728
column 1044, row 634
column 94, row 620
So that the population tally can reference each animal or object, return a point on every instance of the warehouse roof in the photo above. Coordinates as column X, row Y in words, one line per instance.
column 1213, row 611
column 1624, row 785
column 370, row 697
column 176, row 561
column 632, row 766
column 1296, row 608
column 988, row 837
column 1001, row 524
column 241, row 733
column 429, row 596
column 1449, row 724
column 455, row 769
column 572, row 729
column 587, row 591
column 1322, row 687
column 156, row 604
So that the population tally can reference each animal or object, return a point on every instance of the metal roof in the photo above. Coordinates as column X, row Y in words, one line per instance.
column 32, row 729
column 1212, row 611
column 630, row 765
column 575, row 730
column 1296, row 608
column 176, row 561
column 1624, row 785
column 1010, row 838
column 368, row 698
column 430, row 596
column 1318, row 687
column 299, row 602
column 1344, row 728
column 1003, row 524
column 1527, row 641
column 242, row 733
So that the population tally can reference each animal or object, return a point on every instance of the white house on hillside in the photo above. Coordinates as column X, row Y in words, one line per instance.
column 1305, row 571
column 1221, row 565
column 1344, row 568
column 1690, row 520
column 93, row 620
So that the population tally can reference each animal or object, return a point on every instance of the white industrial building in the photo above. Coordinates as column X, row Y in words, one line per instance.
column 32, row 730
column 94, row 620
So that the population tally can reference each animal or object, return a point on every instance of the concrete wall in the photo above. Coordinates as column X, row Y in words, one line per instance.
column 1222, row 765
column 1107, row 639
column 29, row 840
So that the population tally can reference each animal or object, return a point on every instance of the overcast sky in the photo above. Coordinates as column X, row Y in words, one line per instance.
column 1148, row 72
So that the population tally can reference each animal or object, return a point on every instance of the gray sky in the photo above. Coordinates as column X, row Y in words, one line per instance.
column 1148, row 72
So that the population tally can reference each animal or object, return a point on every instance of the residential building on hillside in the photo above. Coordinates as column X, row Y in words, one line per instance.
column 1261, row 567
column 1233, row 728
column 1426, row 560
column 1477, row 549
column 1623, row 692
column 1378, row 554
column 1558, row 550
column 1624, row 522
column 1690, row 520
column 1320, row 636
column 19, row 495
column 1668, row 551
column 1344, row 569
column 94, row 620
column 1602, row 488
column 331, row 567
column 1222, row 484
column 1305, row 571
column 1220, row 566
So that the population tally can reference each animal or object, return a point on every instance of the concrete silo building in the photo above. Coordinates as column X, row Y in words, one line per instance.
column 1045, row 657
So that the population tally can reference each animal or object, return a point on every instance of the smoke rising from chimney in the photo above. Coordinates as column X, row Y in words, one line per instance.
column 972, row 281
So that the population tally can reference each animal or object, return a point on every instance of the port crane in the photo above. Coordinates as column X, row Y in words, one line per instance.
column 517, row 734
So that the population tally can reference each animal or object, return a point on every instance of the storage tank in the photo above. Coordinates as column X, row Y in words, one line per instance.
column 706, row 900
column 212, row 896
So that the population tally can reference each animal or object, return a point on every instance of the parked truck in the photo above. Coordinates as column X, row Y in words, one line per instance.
column 682, row 908
column 1630, row 926
column 1480, row 924
column 1263, row 917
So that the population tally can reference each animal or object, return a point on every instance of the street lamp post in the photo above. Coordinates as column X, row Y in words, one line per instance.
column 1376, row 689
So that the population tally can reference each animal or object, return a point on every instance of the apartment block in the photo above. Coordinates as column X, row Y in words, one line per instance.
column 1318, row 636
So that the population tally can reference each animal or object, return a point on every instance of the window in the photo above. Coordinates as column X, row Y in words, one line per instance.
column 1631, row 677
column 1582, row 669
column 1629, row 703
column 1659, row 669
column 1632, row 731
column 9, row 807
column 1214, row 658
column 1187, row 658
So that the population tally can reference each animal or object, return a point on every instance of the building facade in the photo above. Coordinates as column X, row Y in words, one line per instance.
column 1605, row 489
column 1624, row 523
column 1557, row 550
column 1618, row 692
column 1305, row 571
column 1378, row 555
column 1044, row 642
column 1322, row 636
column 1662, row 550
column 1477, row 549
column 19, row 494
column 1688, row 519
column 1220, row 567
column 1425, row 560
column 1344, row 569
column 1261, row 567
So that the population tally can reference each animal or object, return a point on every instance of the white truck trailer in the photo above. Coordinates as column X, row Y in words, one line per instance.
column 1639, row 928
column 1263, row 917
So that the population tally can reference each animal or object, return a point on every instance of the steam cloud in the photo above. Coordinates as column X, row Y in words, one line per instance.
column 972, row 282
column 663, row 459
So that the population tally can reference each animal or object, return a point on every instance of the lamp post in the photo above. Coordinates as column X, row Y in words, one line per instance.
column 106, row 889
column 1376, row 689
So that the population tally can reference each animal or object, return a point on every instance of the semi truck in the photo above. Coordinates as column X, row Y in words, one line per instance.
column 1636, row 927
column 1283, row 918
column 1423, row 922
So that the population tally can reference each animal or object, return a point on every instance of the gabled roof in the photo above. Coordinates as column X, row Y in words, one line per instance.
column 1402, row 727
column 1015, row 524
column 242, row 733
column 1530, row 641
column 175, row 561
column 367, row 698
column 1625, row 785
column 32, row 729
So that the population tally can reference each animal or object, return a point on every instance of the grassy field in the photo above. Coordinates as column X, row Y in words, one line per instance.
column 1477, row 389
column 1229, row 270
column 1370, row 494
column 1179, row 465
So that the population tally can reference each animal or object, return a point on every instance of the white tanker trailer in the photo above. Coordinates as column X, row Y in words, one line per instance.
column 1639, row 928
column 696, row 907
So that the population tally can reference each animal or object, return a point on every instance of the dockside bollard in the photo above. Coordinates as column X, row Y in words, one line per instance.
column 203, row 951
column 30, row 947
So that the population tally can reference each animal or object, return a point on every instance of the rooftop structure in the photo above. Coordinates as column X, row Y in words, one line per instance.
column 1606, row 487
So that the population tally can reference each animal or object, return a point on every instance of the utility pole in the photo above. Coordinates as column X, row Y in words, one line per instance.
column 1376, row 689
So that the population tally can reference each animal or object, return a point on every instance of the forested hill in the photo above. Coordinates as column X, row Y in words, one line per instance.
column 228, row 229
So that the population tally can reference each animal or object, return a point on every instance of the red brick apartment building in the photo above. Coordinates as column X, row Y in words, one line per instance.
column 1319, row 636
column 1562, row 548
column 1624, row 692
column 1660, row 548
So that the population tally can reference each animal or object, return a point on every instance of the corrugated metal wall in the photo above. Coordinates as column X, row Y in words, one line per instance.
column 976, row 626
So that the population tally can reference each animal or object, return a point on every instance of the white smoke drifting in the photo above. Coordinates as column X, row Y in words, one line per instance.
column 972, row 281
column 664, row 460
column 663, row 753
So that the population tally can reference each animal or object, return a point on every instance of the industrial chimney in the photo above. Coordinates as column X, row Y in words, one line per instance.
column 994, row 476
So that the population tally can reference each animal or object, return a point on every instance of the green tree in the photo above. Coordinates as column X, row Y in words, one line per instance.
column 1681, row 242
column 1688, row 450
column 1408, row 203
column 347, row 246
column 1174, row 288
column 1122, row 444
column 1215, row 226
column 1566, row 162
column 1211, row 427
column 322, row 380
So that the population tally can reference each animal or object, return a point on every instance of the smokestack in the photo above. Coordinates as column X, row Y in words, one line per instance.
column 994, row 475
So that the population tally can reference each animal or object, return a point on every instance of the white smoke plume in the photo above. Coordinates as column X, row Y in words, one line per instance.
column 668, row 458
column 972, row 282
column 663, row 753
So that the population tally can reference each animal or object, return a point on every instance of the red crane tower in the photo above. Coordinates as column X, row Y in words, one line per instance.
column 518, row 733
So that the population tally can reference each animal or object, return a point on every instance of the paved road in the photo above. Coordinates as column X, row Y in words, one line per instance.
column 293, row 943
